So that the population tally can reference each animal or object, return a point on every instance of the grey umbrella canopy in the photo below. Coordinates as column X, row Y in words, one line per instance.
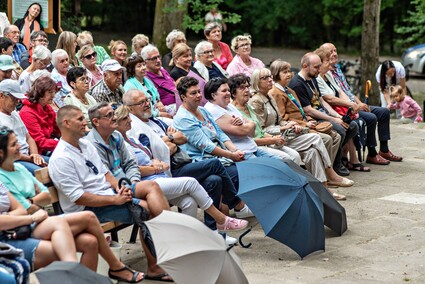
column 69, row 273
column 191, row 253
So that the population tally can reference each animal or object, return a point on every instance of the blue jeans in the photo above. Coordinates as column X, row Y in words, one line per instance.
column 31, row 167
column 215, row 179
column 118, row 213
column 377, row 116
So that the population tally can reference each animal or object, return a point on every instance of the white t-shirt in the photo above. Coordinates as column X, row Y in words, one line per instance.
column 245, row 144
column 73, row 177
column 15, row 123
column 400, row 73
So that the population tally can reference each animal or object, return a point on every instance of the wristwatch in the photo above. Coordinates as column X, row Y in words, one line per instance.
column 171, row 137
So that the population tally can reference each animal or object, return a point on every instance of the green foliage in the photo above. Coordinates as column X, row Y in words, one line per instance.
column 412, row 30
column 194, row 20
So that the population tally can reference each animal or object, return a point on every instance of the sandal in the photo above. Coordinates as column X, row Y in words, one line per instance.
column 358, row 167
column 339, row 196
column 133, row 278
column 159, row 277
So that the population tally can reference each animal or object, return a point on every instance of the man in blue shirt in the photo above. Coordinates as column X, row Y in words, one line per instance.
column 12, row 32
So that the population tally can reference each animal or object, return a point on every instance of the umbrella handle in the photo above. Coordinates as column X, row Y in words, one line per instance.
column 243, row 235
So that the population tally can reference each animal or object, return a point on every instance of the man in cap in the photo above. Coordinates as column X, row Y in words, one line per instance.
column 12, row 32
column 109, row 89
column 10, row 94
column 6, row 67
column 6, row 48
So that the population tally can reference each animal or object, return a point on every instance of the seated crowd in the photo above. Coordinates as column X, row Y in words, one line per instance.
column 174, row 126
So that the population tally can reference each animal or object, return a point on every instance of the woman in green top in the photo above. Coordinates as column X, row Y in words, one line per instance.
column 239, row 89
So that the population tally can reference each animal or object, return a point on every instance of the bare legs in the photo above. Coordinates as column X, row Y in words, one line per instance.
column 151, row 192
column 86, row 223
column 57, row 242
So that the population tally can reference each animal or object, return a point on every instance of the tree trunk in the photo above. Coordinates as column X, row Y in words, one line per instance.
column 166, row 21
column 370, row 47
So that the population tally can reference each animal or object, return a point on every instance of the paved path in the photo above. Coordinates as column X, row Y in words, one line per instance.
column 385, row 239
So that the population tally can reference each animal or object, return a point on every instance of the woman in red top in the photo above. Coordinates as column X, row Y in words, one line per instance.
column 222, row 54
column 39, row 117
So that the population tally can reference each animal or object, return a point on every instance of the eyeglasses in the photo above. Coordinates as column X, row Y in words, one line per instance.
column 211, row 51
column 91, row 55
column 42, row 40
column 4, row 130
column 155, row 58
column 264, row 78
column 244, row 86
column 142, row 102
column 92, row 167
column 243, row 45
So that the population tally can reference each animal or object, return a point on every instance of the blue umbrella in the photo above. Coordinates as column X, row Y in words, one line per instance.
column 284, row 203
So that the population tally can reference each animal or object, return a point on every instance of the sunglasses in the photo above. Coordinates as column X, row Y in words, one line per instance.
column 266, row 77
column 92, row 167
column 91, row 55
column 115, row 106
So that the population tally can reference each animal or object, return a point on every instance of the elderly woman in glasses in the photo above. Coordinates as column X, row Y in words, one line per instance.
column 205, row 63
column 78, row 79
column 60, row 62
column 174, row 38
column 88, row 57
column 137, row 79
column 222, row 54
column 243, row 62
column 38, row 115
column 41, row 58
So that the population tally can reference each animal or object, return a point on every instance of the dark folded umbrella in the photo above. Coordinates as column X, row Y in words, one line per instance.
column 335, row 218
column 69, row 273
column 284, row 203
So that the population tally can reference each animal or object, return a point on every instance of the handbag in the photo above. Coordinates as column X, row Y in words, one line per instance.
column 18, row 233
column 346, row 112
column 324, row 127
column 179, row 159
column 224, row 161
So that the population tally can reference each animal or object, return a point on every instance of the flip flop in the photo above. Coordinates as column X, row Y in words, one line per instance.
column 358, row 167
column 133, row 278
column 159, row 277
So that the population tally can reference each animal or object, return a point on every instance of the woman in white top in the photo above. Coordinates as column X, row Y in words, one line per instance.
column 390, row 73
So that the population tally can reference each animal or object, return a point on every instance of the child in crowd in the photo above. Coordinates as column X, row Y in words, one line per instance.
column 409, row 108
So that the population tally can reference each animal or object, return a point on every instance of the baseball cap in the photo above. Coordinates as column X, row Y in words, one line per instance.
column 12, row 87
column 6, row 62
column 111, row 65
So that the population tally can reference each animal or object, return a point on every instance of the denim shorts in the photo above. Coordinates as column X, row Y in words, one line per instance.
column 118, row 213
column 29, row 247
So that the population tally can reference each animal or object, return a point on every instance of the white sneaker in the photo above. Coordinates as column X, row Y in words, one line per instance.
column 229, row 240
column 245, row 212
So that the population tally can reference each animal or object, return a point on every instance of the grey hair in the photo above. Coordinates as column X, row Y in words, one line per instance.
column 56, row 54
column 7, row 29
column 129, row 97
column 39, row 73
column 211, row 26
column 200, row 47
column 148, row 49
column 172, row 36
column 41, row 52
column 255, row 77
column 94, row 111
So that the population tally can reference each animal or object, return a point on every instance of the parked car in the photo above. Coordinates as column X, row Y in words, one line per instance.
column 413, row 58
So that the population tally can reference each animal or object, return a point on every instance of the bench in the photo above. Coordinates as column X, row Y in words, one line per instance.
column 109, row 227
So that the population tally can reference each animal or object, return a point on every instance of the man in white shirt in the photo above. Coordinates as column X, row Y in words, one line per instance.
column 85, row 183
